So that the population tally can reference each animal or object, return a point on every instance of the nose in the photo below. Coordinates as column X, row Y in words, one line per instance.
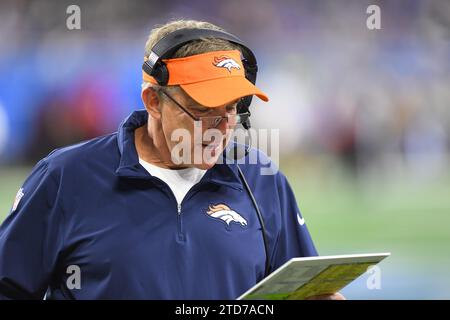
column 222, row 124
column 218, row 121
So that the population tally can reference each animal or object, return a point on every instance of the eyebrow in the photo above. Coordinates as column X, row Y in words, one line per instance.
column 200, row 107
column 195, row 106
column 191, row 103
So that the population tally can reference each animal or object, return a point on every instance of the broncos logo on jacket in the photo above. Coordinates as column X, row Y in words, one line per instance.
column 223, row 212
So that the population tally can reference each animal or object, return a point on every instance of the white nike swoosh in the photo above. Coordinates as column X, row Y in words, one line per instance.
column 301, row 221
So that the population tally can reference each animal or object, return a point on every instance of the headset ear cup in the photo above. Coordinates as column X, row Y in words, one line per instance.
column 250, row 71
column 161, row 73
column 147, row 68
column 244, row 104
column 243, row 107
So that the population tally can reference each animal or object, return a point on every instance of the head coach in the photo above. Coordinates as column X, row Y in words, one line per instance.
column 131, row 220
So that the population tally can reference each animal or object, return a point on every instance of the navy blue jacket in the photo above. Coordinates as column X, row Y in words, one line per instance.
column 93, row 206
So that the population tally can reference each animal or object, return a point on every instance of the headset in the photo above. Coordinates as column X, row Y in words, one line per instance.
column 167, row 46
column 170, row 43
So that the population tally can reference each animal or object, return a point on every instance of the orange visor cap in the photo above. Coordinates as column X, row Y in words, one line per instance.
column 212, row 79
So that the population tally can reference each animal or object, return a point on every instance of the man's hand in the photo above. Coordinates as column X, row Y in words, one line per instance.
column 334, row 296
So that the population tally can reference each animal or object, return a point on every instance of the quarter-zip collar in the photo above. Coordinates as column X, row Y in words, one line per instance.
column 129, row 166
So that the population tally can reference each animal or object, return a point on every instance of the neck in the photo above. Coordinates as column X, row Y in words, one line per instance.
column 153, row 148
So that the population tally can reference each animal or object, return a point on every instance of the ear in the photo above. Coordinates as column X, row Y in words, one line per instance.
column 151, row 102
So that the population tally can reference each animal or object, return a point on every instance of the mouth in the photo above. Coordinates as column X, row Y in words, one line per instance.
column 214, row 145
column 211, row 146
column 212, row 149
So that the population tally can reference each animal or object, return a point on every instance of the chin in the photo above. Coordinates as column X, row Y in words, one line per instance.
column 209, row 158
column 205, row 166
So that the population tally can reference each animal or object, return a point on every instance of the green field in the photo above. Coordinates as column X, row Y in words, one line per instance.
column 405, row 216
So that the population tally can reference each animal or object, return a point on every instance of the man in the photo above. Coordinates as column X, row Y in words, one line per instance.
column 131, row 215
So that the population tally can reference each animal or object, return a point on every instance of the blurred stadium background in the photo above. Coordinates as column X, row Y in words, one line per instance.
column 364, row 115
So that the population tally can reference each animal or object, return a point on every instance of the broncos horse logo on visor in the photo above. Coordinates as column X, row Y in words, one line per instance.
column 223, row 212
column 226, row 62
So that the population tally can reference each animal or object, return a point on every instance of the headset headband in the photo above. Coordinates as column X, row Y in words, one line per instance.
column 170, row 43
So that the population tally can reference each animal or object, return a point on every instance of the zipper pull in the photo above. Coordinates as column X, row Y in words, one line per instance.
column 179, row 208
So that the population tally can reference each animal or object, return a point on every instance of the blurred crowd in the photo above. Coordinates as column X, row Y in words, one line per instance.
column 370, row 98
